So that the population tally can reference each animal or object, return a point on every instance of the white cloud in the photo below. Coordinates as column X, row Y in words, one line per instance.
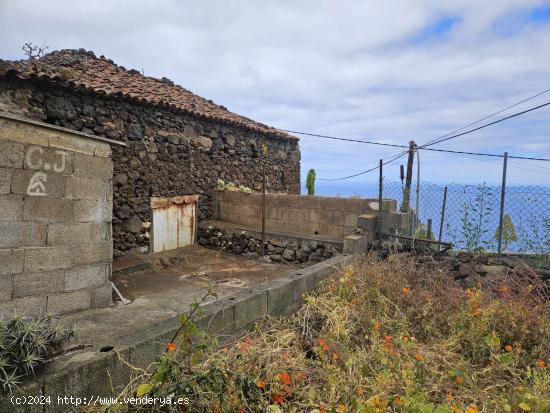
column 356, row 69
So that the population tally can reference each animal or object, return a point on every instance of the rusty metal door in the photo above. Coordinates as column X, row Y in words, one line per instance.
column 173, row 223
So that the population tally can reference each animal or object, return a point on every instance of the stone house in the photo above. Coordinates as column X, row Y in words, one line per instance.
column 178, row 144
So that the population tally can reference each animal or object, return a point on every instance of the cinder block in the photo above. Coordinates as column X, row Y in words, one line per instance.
column 68, row 234
column 101, row 231
column 40, row 283
column 47, row 209
column 79, row 187
column 93, row 166
column 47, row 258
column 72, row 143
column 78, row 233
column 355, row 244
column 49, row 160
column 54, row 184
column 350, row 220
column 25, row 306
column 92, row 211
column 5, row 180
column 335, row 230
column 68, row 302
column 108, row 189
column 12, row 261
column 23, row 133
column 6, row 286
column 79, row 278
column 21, row 233
column 92, row 253
column 11, row 207
column 11, row 154
column 102, row 296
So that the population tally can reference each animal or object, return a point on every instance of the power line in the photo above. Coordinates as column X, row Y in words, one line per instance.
column 364, row 172
column 487, row 124
column 439, row 140
column 490, row 116
column 420, row 147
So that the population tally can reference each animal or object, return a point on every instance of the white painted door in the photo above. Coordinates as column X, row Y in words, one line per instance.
column 173, row 226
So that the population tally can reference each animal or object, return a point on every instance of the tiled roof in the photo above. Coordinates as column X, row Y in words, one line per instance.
column 83, row 70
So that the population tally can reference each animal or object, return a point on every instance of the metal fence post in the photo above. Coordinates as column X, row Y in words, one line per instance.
column 429, row 232
column 442, row 218
column 380, row 189
column 417, row 211
column 502, row 199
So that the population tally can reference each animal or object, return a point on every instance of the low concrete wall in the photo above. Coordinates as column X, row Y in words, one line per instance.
column 298, row 214
column 88, row 375
column 55, row 219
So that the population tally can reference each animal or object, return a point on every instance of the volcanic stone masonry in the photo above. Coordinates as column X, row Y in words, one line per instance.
column 169, row 152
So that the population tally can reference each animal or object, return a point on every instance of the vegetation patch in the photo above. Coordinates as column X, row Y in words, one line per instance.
column 26, row 344
column 382, row 336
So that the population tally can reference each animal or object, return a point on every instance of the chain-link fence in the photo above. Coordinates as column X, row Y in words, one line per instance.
column 472, row 215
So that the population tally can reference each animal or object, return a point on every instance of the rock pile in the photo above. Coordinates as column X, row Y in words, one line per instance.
column 248, row 245
column 471, row 269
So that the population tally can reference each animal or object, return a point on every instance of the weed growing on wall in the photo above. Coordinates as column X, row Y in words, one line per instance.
column 221, row 185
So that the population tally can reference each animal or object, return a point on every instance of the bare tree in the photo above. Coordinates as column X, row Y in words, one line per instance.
column 33, row 51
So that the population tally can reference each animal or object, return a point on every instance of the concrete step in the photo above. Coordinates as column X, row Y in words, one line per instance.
column 356, row 244
column 367, row 222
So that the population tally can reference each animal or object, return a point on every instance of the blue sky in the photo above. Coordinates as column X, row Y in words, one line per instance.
column 388, row 71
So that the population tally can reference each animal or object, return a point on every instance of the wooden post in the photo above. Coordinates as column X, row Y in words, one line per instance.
column 263, row 210
column 429, row 232
column 502, row 199
column 405, row 205
column 442, row 218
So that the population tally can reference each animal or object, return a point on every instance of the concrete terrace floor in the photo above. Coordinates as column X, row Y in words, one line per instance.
column 162, row 286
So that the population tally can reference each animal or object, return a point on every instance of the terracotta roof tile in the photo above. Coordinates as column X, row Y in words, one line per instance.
column 81, row 69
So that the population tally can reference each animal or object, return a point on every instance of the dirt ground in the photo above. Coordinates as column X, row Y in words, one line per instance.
column 163, row 285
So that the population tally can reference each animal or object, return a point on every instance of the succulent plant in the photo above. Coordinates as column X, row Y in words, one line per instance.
column 26, row 344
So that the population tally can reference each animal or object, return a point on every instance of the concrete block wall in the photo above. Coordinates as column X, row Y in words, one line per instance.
column 298, row 214
column 55, row 219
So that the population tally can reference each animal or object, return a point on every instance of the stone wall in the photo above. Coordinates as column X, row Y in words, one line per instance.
column 168, row 152
column 277, row 249
column 55, row 219
column 306, row 215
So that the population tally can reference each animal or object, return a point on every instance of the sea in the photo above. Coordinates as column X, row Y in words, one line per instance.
column 472, row 212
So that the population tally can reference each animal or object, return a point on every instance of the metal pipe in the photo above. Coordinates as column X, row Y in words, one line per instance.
column 442, row 218
column 417, row 211
column 502, row 199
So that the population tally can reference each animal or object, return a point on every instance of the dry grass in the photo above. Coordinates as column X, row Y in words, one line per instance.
column 384, row 336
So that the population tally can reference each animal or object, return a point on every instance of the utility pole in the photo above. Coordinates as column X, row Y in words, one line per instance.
column 408, row 180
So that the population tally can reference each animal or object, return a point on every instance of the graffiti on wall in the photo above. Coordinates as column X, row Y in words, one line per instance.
column 34, row 160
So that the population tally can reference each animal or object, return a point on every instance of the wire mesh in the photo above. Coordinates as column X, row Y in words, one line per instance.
column 472, row 215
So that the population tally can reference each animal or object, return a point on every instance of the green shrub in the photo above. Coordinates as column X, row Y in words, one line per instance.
column 26, row 344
